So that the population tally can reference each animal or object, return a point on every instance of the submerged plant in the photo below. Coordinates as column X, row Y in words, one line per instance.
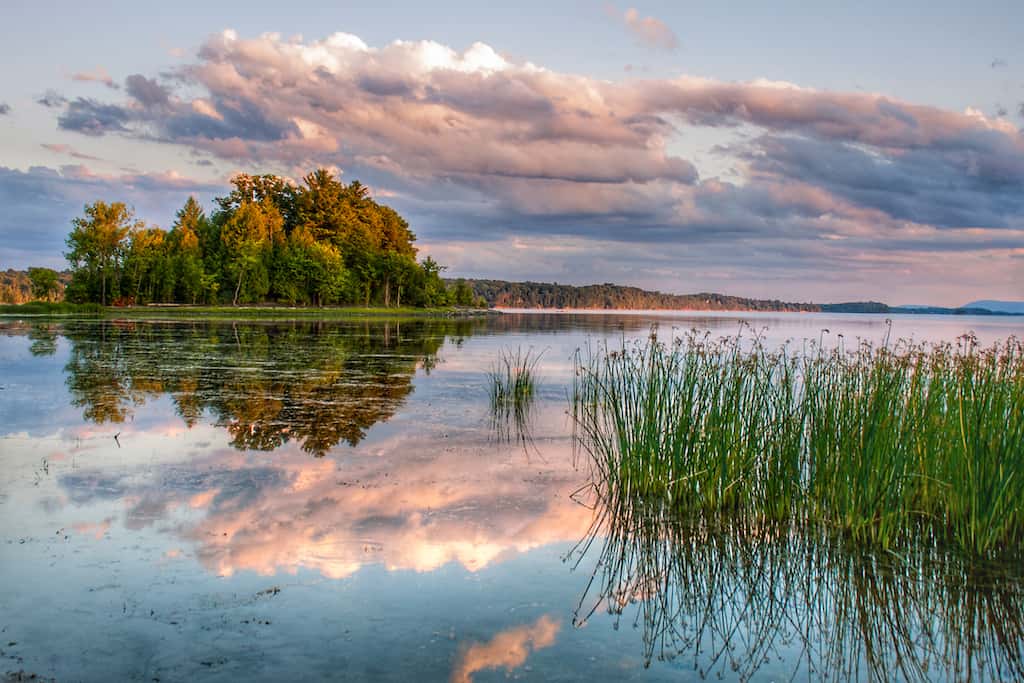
column 512, row 385
column 878, row 444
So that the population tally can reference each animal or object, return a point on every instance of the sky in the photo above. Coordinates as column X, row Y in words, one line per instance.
column 755, row 149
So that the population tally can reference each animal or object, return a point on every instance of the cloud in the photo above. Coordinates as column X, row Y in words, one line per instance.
column 146, row 91
column 58, row 148
column 479, row 147
column 52, row 99
column 5, row 109
column 650, row 31
column 91, row 117
column 97, row 75
column 40, row 202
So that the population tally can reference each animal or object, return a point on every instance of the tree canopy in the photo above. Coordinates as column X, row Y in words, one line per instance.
column 321, row 242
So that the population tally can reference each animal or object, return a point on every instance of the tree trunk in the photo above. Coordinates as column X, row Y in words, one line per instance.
column 238, row 287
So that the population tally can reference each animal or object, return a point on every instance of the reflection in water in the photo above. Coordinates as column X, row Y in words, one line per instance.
column 736, row 596
column 44, row 339
column 509, row 649
column 410, row 501
column 315, row 383
column 154, row 560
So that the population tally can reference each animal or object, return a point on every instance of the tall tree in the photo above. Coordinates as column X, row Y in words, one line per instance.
column 259, row 189
column 95, row 247
column 192, row 281
column 250, row 235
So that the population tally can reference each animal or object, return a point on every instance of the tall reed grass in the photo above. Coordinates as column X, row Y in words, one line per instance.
column 884, row 445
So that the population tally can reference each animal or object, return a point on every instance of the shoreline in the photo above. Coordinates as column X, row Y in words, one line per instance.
column 177, row 312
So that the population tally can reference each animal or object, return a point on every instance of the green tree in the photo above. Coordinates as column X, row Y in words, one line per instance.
column 250, row 235
column 95, row 248
column 260, row 189
column 45, row 284
column 462, row 294
column 145, row 264
column 192, row 282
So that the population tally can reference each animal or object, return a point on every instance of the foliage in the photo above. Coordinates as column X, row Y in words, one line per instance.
column 96, row 251
column 608, row 296
column 45, row 283
column 318, row 243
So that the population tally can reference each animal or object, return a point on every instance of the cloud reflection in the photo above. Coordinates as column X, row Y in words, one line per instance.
column 509, row 649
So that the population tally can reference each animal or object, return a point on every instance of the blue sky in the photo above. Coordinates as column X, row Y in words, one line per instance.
column 643, row 144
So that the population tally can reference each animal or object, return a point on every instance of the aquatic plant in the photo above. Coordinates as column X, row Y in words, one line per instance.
column 736, row 596
column 512, row 387
column 878, row 443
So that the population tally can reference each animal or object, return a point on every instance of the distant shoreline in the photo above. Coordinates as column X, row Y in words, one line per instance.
column 900, row 311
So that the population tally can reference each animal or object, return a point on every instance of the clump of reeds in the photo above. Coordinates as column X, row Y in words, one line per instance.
column 513, row 386
column 881, row 444
column 737, row 596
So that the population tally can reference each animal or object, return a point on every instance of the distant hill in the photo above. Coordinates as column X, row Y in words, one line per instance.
column 608, row 296
column 999, row 306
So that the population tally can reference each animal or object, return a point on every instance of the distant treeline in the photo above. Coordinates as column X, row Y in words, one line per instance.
column 18, row 286
column 611, row 297
column 321, row 242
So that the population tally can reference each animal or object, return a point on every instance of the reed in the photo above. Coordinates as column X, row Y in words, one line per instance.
column 739, row 597
column 883, row 445
column 512, row 386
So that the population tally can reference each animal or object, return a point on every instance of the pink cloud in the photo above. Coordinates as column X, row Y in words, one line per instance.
column 650, row 31
column 97, row 75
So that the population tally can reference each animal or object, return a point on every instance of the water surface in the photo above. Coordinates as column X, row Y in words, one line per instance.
column 190, row 500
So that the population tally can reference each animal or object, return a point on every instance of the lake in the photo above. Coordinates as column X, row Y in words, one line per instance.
column 207, row 500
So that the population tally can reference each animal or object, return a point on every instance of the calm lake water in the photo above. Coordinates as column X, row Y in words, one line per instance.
column 195, row 500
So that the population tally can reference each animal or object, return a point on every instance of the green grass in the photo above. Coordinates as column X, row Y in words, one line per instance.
column 50, row 308
column 885, row 446
column 512, row 384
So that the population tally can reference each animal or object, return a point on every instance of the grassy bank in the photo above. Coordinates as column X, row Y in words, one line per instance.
column 230, row 312
column 881, row 445
column 50, row 308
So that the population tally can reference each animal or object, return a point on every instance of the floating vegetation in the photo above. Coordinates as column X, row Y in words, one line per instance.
column 741, row 599
column 885, row 445
column 512, row 384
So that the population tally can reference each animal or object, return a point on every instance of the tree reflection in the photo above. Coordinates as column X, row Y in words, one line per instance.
column 44, row 339
column 739, row 596
column 317, row 383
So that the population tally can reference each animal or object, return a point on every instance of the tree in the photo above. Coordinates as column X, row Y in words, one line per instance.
column 44, row 283
column 250, row 235
column 191, row 279
column 146, row 267
column 462, row 294
column 259, row 189
column 95, row 248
